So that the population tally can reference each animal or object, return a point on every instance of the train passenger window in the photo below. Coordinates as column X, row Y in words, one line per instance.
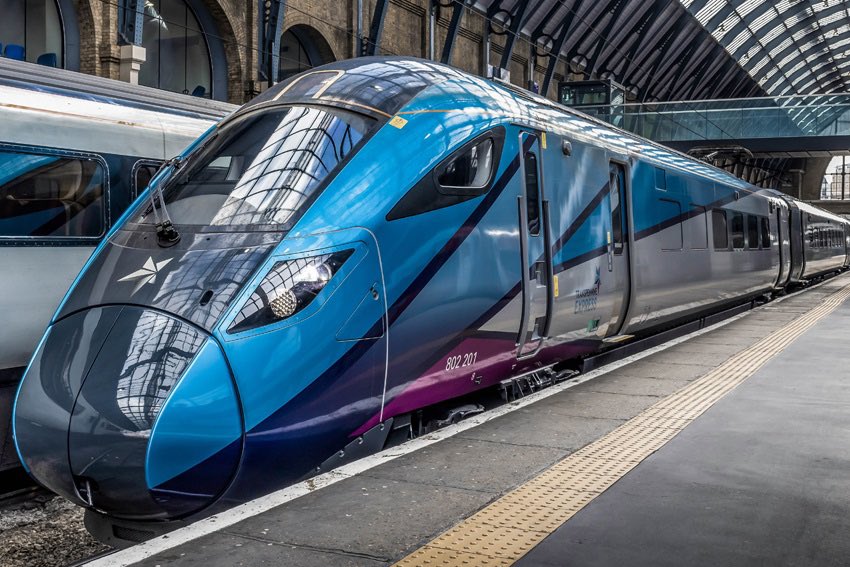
column 143, row 172
column 532, row 193
column 737, row 230
column 660, row 179
column 472, row 167
column 719, row 229
column 671, row 213
column 752, row 232
column 43, row 195
column 765, row 233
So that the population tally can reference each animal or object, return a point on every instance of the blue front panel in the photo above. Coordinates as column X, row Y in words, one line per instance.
column 303, row 389
column 200, row 418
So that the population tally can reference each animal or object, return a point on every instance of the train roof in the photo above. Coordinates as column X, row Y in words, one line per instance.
column 108, row 91
column 822, row 213
column 379, row 86
column 382, row 86
column 807, row 207
column 47, row 119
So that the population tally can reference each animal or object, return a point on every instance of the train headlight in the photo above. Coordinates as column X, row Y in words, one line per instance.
column 284, row 305
column 288, row 288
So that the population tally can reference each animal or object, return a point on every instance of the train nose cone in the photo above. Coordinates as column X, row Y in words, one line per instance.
column 131, row 412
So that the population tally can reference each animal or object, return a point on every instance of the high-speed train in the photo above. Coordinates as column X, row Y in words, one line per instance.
column 362, row 241
column 75, row 151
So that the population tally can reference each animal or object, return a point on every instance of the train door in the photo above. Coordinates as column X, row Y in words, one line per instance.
column 846, row 232
column 535, row 247
column 784, row 242
column 795, row 217
column 618, row 246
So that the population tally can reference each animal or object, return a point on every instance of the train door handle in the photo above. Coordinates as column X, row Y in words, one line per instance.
column 540, row 273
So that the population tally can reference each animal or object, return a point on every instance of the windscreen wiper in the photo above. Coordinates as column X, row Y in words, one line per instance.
column 166, row 234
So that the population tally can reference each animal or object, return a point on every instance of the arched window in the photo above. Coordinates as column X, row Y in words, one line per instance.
column 301, row 48
column 31, row 30
column 177, row 55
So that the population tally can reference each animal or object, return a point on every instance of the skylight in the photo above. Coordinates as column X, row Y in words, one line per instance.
column 790, row 36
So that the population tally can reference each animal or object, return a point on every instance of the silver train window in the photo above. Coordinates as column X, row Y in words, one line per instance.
column 765, row 233
column 719, row 229
column 45, row 195
column 737, row 230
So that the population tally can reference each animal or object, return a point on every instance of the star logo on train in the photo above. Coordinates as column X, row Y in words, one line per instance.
column 146, row 275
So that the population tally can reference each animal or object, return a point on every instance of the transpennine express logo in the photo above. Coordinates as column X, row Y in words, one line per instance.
column 146, row 275
column 587, row 298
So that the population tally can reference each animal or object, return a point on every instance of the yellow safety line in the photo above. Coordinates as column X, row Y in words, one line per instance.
column 511, row 526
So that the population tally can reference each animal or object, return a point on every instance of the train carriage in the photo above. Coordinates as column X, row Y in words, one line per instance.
column 363, row 241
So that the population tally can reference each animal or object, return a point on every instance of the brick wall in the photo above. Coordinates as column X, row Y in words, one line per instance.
column 406, row 32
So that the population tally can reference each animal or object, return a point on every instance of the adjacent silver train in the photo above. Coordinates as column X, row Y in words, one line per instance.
column 75, row 151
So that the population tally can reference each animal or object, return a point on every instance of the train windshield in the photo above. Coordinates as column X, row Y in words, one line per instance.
column 259, row 171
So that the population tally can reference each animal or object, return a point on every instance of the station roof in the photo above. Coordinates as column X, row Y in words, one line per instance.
column 690, row 49
column 789, row 46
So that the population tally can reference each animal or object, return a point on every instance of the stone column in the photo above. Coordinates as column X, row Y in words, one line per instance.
column 132, row 57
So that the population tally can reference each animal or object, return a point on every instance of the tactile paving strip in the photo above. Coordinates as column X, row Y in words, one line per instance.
column 511, row 526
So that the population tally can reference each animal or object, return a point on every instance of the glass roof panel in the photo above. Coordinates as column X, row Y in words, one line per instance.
column 762, row 21
column 710, row 10
column 739, row 41
column 773, row 34
column 809, row 30
column 783, row 45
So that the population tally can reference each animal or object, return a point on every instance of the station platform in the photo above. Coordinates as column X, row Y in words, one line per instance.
column 727, row 447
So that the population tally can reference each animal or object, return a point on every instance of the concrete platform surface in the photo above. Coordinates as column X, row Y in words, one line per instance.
column 759, row 479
